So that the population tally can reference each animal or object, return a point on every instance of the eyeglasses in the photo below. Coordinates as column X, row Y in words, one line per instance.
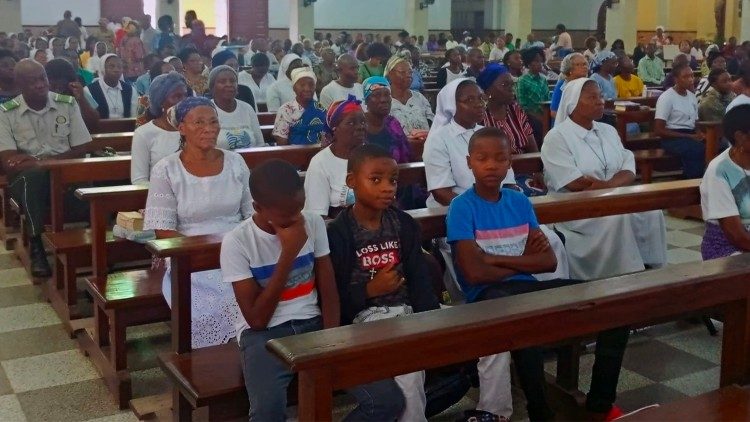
column 474, row 101
column 202, row 123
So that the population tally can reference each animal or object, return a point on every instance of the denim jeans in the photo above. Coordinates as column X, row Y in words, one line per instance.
column 692, row 154
column 267, row 379
column 610, row 348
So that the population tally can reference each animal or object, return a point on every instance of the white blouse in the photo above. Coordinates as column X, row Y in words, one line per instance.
column 192, row 205
column 259, row 90
column 150, row 144
column 415, row 114
column 239, row 128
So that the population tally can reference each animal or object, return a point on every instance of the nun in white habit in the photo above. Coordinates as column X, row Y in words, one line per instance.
column 445, row 151
column 580, row 154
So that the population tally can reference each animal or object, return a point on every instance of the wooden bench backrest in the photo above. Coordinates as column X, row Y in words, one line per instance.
column 119, row 141
column 115, row 125
column 199, row 253
column 350, row 355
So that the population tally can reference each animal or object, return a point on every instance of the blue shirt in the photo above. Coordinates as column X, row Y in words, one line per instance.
column 557, row 95
column 417, row 84
column 607, row 86
column 143, row 83
column 499, row 228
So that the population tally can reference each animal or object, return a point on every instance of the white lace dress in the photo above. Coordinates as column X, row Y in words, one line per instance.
column 191, row 205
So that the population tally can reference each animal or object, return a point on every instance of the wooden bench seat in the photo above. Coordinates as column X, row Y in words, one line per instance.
column 642, row 140
column 648, row 160
column 121, row 300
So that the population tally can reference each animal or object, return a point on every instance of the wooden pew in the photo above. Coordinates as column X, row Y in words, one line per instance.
column 194, row 374
column 714, row 133
column 347, row 356
column 115, row 125
column 267, row 118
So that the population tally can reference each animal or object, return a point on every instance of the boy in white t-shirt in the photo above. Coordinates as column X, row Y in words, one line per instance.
column 279, row 266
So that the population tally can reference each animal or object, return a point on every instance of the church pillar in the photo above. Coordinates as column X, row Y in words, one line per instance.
column 301, row 19
column 10, row 18
column 516, row 17
column 706, row 23
column 732, row 20
column 167, row 7
column 662, row 13
column 416, row 22
column 745, row 22
column 622, row 20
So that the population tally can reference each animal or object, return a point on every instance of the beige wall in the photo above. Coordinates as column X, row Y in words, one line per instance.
column 10, row 16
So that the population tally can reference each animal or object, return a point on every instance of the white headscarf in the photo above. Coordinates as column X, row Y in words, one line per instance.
column 446, row 105
column 570, row 96
column 284, row 65
column 103, row 62
column 95, row 61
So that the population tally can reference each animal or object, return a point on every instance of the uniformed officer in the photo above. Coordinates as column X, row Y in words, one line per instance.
column 37, row 125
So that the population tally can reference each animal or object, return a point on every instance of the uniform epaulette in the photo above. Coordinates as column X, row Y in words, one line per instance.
column 67, row 99
column 10, row 105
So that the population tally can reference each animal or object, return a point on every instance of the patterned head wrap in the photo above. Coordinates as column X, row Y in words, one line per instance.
column 600, row 58
column 374, row 83
column 160, row 88
column 491, row 72
column 176, row 114
column 339, row 109
column 395, row 60
column 303, row 72
column 222, row 57
column 215, row 74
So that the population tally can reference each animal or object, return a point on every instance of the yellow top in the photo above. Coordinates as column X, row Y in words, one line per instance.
column 628, row 89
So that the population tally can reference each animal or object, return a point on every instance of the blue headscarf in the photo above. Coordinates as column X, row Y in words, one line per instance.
column 373, row 83
column 177, row 113
column 491, row 72
column 160, row 88
column 600, row 58
column 221, row 57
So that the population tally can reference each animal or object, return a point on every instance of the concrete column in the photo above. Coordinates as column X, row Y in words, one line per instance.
column 662, row 13
column 416, row 22
column 516, row 17
column 301, row 20
column 731, row 20
column 10, row 16
column 706, row 23
column 165, row 7
column 493, row 16
column 622, row 20
column 745, row 21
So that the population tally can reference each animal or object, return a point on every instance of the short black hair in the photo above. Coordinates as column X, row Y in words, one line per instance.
column 273, row 180
column 164, row 22
column 737, row 119
column 378, row 49
column 679, row 67
column 363, row 153
column 4, row 53
column 487, row 132
column 560, row 27
column 186, row 52
column 714, row 74
column 465, row 83
column 60, row 69
column 260, row 59
column 711, row 57
column 506, row 57
column 531, row 54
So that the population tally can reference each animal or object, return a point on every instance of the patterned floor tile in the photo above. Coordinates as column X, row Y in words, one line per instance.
column 697, row 342
column 20, row 295
column 9, row 261
column 640, row 397
column 682, row 224
column 628, row 380
column 682, row 255
column 27, row 316
column 10, row 409
column 149, row 382
column 14, row 277
column 52, row 369
column 660, row 362
column 124, row 416
column 78, row 401
column 143, row 351
column 697, row 382
column 698, row 231
column 5, row 387
column 34, row 341
column 683, row 239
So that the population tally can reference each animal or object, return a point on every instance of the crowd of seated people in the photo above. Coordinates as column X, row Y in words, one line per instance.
column 362, row 99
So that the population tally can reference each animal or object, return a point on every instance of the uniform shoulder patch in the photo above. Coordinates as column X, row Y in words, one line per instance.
column 10, row 105
column 67, row 99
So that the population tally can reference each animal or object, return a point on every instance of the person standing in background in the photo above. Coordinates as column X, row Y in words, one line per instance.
column 148, row 34
column 67, row 28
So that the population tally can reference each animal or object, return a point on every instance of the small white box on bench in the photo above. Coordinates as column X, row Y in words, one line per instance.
column 130, row 220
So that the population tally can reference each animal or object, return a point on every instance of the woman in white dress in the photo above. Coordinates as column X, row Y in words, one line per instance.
column 200, row 190
column 157, row 138
column 409, row 107
column 258, row 79
column 582, row 154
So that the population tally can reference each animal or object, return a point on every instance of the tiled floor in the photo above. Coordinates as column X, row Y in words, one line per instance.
column 44, row 377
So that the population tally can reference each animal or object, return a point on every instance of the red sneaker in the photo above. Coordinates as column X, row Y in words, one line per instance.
column 614, row 413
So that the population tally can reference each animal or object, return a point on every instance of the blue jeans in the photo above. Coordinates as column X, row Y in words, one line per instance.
column 267, row 379
column 692, row 154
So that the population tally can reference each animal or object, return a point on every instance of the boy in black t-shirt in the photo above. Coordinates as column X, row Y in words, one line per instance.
column 379, row 268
